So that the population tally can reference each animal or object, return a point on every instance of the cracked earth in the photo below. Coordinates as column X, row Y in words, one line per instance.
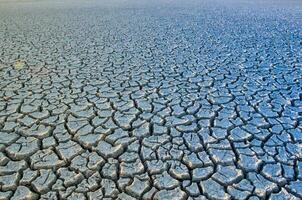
column 142, row 100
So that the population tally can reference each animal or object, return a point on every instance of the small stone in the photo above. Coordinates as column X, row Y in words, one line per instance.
column 239, row 135
column 28, row 176
column 69, row 150
column 124, row 196
column 98, row 194
column 214, row 190
column 193, row 190
column 43, row 183
column 223, row 156
column 149, row 195
column 132, row 168
column 249, row 163
column 70, row 178
column 109, row 188
column 23, row 193
column 137, row 188
column 175, row 194
column 109, row 151
column 262, row 185
column 227, row 175
column 179, row 171
column 283, row 194
column 296, row 188
column 9, row 182
column 46, row 159
column 202, row 173
column 23, row 148
column 165, row 181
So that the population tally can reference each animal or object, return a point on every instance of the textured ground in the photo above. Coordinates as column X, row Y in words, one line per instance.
column 100, row 100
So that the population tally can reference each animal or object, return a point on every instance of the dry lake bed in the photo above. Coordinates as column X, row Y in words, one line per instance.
column 166, row 100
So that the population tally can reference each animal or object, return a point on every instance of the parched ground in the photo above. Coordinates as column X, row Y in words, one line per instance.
column 151, row 100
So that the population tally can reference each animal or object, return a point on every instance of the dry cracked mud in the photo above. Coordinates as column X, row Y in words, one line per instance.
column 151, row 100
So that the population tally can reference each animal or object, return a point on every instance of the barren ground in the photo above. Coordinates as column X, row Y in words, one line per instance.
column 151, row 100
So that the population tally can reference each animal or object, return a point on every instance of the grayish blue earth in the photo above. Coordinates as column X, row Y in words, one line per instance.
column 165, row 100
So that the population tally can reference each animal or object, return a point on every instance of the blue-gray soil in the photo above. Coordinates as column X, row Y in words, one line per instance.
column 151, row 99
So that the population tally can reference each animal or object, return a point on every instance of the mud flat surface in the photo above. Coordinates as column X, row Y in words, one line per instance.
column 151, row 100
